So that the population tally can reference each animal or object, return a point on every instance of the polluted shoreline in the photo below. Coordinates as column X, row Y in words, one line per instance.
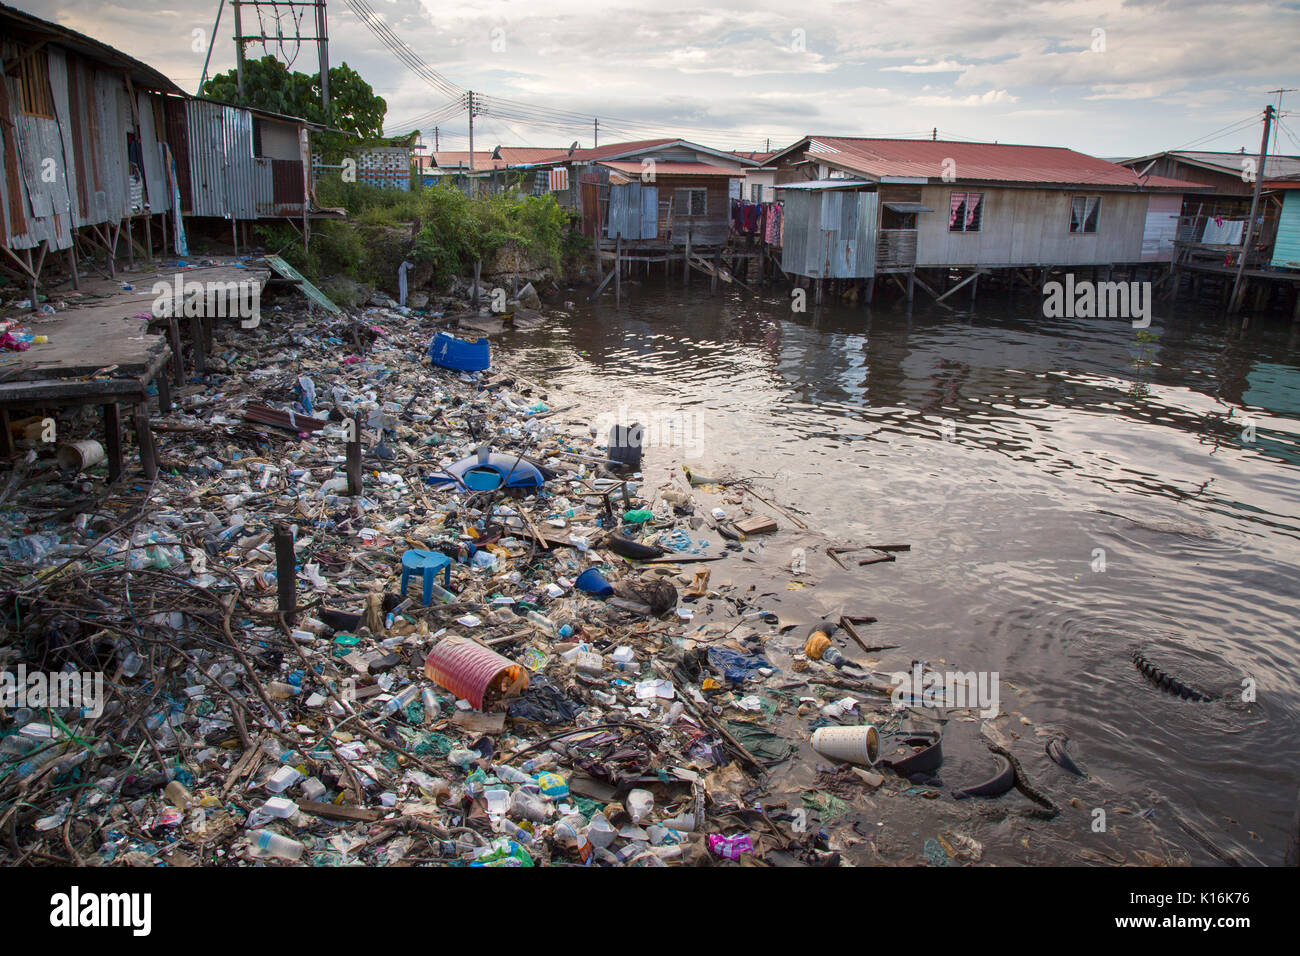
column 374, row 610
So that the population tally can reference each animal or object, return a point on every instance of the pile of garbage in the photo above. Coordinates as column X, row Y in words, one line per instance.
column 471, row 644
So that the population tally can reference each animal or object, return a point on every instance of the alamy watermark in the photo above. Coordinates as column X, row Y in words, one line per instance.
column 679, row 429
column 1098, row 300
column 40, row 689
column 948, row 689
column 235, row 299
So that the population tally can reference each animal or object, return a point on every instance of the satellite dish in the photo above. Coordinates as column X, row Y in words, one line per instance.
column 572, row 147
column 496, row 153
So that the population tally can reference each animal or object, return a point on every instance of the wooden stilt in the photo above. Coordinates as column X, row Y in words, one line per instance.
column 286, row 573
column 353, row 466
column 113, row 439
column 144, row 438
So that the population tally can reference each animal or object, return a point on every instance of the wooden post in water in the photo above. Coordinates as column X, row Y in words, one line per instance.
column 354, row 456
column 686, row 256
column 618, row 272
column 286, row 573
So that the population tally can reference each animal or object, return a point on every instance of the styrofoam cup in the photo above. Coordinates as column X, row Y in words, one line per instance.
column 859, row 745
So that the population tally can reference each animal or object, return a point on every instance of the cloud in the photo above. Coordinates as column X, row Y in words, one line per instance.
column 920, row 66
column 729, row 73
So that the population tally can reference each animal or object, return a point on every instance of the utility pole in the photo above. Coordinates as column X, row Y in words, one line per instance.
column 323, row 46
column 1233, row 304
column 435, row 139
column 1279, row 93
column 216, row 26
column 239, row 48
column 470, row 100
column 595, row 132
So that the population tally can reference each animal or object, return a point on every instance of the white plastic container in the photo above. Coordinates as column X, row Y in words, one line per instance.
column 856, row 745
column 266, row 843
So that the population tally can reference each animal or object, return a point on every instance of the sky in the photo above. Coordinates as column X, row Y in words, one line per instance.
column 1113, row 78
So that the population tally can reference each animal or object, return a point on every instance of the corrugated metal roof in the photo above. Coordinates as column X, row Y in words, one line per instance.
column 827, row 184
column 142, row 74
column 624, row 150
column 673, row 169
column 510, row 156
column 976, row 162
column 1279, row 167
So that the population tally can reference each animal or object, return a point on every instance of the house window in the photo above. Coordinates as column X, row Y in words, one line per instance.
column 1084, row 213
column 966, row 212
column 257, row 137
column 692, row 202
column 755, row 192
column 34, row 85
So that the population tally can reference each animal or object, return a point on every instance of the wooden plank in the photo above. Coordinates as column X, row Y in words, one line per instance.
column 332, row 811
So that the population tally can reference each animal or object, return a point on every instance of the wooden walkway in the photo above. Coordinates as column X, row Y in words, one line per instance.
column 107, row 351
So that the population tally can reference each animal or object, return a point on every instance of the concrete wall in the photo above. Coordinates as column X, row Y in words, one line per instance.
column 1030, row 227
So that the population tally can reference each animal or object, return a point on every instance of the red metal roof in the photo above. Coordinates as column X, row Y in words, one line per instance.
column 977, row 162
column 673, row 169
column 510, row 156
column 600, row 152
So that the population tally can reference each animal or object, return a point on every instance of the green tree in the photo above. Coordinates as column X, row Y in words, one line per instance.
column 268, row 85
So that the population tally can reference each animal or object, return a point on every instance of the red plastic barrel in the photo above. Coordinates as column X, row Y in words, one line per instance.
column 468, row 669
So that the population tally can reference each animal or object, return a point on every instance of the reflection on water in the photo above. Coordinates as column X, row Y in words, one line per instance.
column 1010, row 450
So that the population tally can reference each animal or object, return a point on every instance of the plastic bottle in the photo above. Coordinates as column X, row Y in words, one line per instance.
column 432, row 708
column 508, row 774
column 542, row 761
column 514, row 831
column 529, row 806
column 267, row 843
column 400, row 701
column 441, row 593
column 542, row 621
column 569, row 830
column 640, row 804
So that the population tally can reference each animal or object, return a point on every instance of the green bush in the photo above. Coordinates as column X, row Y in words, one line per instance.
column 456, row 230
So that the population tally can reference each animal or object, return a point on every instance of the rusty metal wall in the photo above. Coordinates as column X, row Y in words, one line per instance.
column 225, row 179
column 73, row 170
column 829, row 234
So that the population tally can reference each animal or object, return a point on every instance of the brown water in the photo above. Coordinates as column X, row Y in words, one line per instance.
column 1008, row 448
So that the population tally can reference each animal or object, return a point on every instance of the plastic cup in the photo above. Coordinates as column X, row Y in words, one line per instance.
column 858, row 745
column 593, row 582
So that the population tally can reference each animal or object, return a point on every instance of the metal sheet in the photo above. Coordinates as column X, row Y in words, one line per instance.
column 159, row 196
column 649, row 212
column 830, row 234
column 283, row 268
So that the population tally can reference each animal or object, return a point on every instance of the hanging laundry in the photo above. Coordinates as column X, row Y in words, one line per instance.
column 775, row 213
column 559, row 179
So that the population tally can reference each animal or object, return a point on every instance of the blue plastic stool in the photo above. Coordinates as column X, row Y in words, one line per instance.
column 426, row 565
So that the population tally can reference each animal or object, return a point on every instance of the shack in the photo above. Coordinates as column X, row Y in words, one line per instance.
column 238, row 163
column 656, row 194
column 84, row 151
column 944, row 208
